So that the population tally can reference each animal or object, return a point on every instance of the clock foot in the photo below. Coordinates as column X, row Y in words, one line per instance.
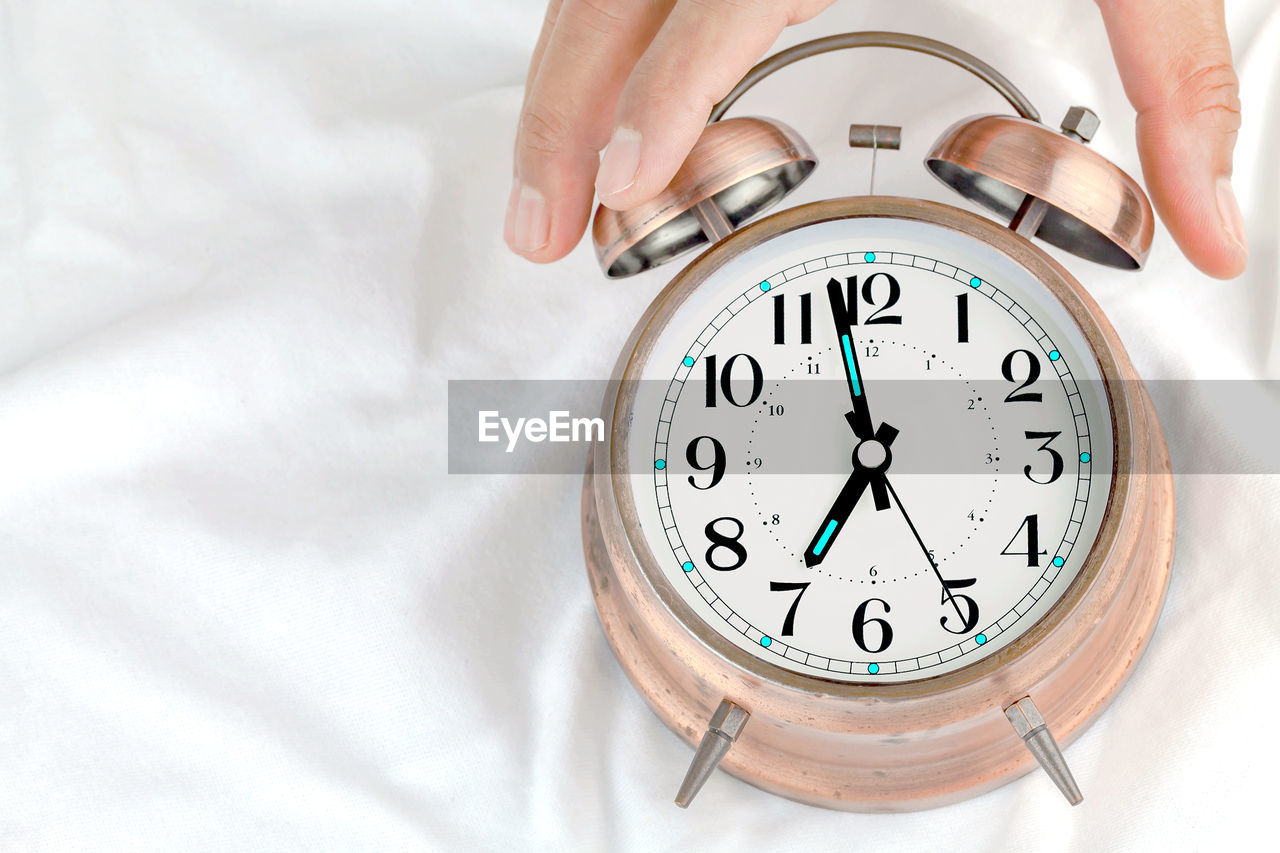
column 725, row 726
column 1031, row 727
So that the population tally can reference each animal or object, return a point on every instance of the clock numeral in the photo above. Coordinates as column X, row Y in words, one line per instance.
column 1017, row 395
column 1033, row 553
column 967, row 604
column 726, row 384
column 894, row 293
column 860, row 623
column 718, row 461
column 962, row 318
column 790, row 622
column 727, row 543
column 1057, row 457
column 846, row 308
column 780, row 322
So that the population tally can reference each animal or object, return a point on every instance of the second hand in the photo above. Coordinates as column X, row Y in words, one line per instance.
column 945, row 589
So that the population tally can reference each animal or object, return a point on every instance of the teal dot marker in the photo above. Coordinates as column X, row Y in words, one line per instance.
column 688, row 361
column 764, row 285
column 975, row 282
column 688, row 567
column 1085, row 457
column 869, row 257
column 766, row 641
column 1054, row 355
column 981, row 638
column 873, row 668
column 660, row 464
column 1058, row 561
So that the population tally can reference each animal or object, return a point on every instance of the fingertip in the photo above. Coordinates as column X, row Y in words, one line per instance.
column 1203, row 217
column 1175, row 61
column 651, row 161
column 619, row 165
column 1202, row 232
column 1233, row 226
column 550, row 202
column 540, row 230
column 1215, row 262
column 508, row 227
column 638, row 165
column 1220, row 264
column 528, row 220
column 1186, row 160
column 555, row 249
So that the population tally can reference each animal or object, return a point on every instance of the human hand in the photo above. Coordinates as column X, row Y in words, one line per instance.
column 638, row 78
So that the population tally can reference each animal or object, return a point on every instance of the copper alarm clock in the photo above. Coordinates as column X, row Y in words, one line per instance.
column 883, row 515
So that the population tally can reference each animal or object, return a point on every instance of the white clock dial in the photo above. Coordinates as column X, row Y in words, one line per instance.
column 870, row 449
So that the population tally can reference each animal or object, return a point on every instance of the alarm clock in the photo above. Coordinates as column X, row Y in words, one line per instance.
column 883, row 516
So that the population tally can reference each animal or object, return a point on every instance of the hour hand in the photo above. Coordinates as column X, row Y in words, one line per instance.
column 837, row 517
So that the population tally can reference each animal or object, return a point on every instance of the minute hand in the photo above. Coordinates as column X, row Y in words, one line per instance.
column 861, row 420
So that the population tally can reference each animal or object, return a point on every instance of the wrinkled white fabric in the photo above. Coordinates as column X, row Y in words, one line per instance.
column 243, row 605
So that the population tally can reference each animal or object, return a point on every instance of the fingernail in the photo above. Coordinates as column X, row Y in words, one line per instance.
column 620, row 163
column 509, row 226
column 532, row 227
column 1229, row 210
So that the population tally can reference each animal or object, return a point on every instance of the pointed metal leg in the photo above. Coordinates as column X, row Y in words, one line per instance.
column 1031, row 727
column 725, row 726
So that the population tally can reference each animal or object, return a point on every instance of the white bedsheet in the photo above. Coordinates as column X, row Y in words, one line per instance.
column 243, row 605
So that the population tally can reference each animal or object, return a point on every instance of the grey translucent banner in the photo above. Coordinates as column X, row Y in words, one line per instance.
column 946, row 426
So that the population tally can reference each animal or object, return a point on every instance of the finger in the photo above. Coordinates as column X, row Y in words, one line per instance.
column 700, row 53
column 544, row 36
column 1175, row 62
column 592, row 48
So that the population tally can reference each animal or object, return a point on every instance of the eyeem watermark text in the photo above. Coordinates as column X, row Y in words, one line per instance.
column 558, row 426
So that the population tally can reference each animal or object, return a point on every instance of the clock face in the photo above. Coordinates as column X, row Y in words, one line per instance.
column 869, row 449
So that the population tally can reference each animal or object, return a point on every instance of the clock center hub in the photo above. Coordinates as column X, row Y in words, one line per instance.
column 871, row 455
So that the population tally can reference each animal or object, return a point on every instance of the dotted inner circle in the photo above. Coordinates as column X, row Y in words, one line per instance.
column 983, row 634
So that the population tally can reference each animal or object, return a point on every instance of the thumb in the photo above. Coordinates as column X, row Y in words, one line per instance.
column 1175, row 61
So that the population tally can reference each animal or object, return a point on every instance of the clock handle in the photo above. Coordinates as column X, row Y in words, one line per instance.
column 902, row 41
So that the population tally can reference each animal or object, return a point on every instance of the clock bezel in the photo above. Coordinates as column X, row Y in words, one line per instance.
column 1038, row 264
